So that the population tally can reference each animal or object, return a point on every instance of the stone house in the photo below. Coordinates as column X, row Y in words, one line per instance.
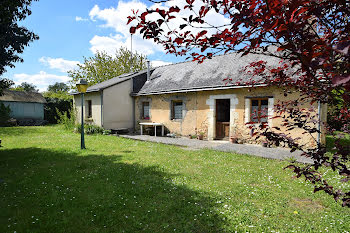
column 190, row 99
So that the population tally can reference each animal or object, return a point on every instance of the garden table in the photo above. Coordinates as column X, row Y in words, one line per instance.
column 155, row 127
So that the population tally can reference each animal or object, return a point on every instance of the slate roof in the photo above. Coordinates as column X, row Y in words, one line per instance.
column 22, row 96
column 191, row 76
column 113, row 81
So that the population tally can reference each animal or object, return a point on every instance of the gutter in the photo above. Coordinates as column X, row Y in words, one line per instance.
column 133, row 114
column 197, row 89
column 27, row 102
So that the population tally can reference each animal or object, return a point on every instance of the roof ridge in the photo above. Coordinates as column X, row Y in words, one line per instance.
column 125, row 75
column 35, row 92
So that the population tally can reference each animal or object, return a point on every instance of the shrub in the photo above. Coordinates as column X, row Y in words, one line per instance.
column 93, row 129
column 90, row 129
column 53, row 103
column 5, row 113
column 66, row 118
column 107, row 132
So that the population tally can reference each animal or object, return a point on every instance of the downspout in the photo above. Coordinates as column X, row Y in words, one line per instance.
column 101, row 108
column 133, row 114
column 319, row 122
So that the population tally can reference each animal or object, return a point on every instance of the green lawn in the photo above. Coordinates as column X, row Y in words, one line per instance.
column 118, row 185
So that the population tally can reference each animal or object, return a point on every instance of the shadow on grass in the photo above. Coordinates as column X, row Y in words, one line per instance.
column 54, row 191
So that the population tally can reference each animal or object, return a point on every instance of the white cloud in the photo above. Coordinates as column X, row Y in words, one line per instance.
column 111, row 43
column 106, row 43
column 156, row 63
column 59, row 63
column 42, row 79
column 78, row 18
column 116, row 18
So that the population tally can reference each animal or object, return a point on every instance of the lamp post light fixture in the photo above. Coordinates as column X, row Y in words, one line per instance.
column 82, row 86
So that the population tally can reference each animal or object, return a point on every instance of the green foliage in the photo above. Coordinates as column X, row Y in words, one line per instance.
column 107, row 132
column 55, row 105
column 102, row 66
column 25, row 87
column 4, row 84
column 58, row 87
column 5, row 112
column 334, row 109
column 344, row 139
column 13, row 38
column 58, row 95
column 66, row 118
column 60, row 101
column 90, row 129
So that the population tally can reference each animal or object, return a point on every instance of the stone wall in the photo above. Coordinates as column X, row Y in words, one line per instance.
column 199, row 109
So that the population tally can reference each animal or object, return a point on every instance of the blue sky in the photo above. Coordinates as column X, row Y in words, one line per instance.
column 70, row 30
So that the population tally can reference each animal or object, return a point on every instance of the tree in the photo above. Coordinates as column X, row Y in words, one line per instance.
column 102, row 66
column 13, row 38
column 4, row 84
column 5, row 114
column 58, row 100
column 310, row 37
column 25, row 87
column 58, row 87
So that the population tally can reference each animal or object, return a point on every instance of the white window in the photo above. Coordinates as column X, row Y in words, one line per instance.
column 259, row 109
column 176, row 110
column 89, row 108
column 145, row 110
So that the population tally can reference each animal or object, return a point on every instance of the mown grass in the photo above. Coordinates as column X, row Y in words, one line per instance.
column 118, row 185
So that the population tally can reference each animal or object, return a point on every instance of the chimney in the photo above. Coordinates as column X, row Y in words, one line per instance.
column 148, row 71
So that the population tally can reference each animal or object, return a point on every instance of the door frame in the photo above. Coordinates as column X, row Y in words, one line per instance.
column 211, row 117
column 216, row 120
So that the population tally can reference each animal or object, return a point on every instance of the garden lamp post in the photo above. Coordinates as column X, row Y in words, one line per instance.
column 82, row 86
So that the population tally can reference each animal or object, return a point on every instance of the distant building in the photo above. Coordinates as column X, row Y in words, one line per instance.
column 24, row 104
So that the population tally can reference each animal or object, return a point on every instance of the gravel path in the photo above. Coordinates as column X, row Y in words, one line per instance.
column 257, row 150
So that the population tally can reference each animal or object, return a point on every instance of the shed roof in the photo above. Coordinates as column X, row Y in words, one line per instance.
column 192, row 76
column 22, row 96
column 113, row 81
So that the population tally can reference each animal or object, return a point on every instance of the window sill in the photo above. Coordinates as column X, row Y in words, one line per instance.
column 177, row 120
column 255, row 124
